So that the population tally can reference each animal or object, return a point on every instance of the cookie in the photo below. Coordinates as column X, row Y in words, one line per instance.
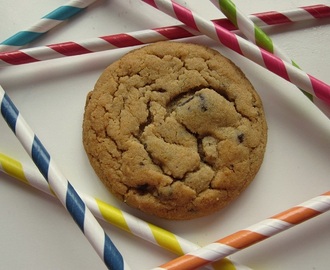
column 175, row 130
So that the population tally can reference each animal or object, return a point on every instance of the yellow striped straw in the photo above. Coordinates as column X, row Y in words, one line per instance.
column 115, row 216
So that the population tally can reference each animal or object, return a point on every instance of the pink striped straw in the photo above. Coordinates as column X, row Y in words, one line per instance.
column 251, row 235
column 252, row 32
column 109, row 42
column 245, row 48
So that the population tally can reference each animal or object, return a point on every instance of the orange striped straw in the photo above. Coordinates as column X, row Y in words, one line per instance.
column 251, row 235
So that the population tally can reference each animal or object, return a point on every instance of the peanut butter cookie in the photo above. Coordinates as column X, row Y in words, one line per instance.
column 175, row 130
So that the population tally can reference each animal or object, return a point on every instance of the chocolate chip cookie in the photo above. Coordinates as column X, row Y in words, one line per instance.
column 175, row 130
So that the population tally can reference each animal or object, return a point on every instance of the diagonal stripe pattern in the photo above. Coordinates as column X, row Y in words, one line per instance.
column 61, row 186
column 59, row 50
column 251, row 235
column 115, row 216
column 243, row 47
column 46, row 23
column 253, row 33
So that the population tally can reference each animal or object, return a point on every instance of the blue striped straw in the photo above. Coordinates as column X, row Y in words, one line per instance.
column 61, row 186
column 46, row 23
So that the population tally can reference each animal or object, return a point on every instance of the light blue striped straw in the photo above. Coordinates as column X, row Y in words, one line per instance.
column 46, row 23
column 61, row 186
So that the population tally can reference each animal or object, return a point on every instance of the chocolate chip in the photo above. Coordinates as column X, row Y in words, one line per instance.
column 240, row 137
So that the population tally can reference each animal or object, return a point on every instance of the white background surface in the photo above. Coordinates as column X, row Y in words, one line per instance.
column 35, row 230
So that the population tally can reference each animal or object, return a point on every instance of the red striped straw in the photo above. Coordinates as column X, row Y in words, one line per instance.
column 245, row 48
column 251, row 235
column 109, row 42
column 302, row 13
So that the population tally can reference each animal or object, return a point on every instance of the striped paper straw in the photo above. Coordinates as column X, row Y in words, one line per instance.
column 46, row 23
column 66, row 49
column 252, row 31
column 115, row 216
column 294, row 15
column 64, row 191
column 251, row 235
column 243, row 47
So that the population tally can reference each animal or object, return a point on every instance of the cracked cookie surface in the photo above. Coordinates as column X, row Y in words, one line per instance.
column 175, row 130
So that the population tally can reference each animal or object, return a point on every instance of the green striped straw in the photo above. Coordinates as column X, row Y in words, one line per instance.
column 253, row 32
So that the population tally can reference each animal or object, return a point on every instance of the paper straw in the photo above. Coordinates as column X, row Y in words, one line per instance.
column 245, row 48
column 113, row 215
column 294, row 15
column 109, row 42
column 64, row 191
column 46, row 23
column 251, row 235
column 253, row 32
